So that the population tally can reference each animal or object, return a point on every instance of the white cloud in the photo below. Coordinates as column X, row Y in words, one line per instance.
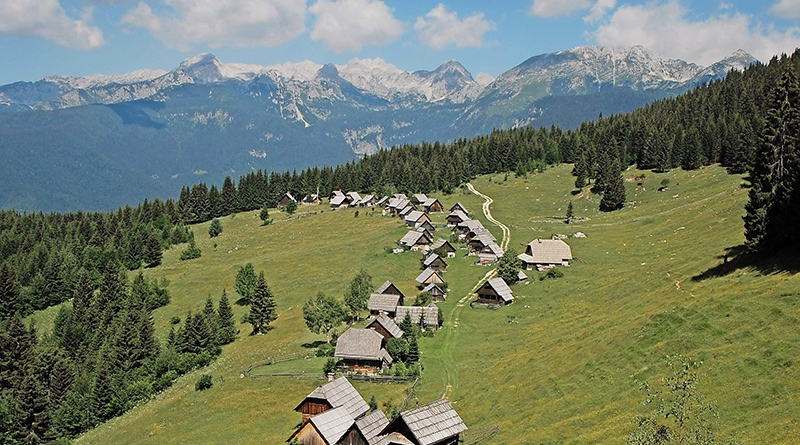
column 555, row 8
column 666, row 28
column 344, row 25
column 440, row 28
column 599, row 10
column 48, row 20
column 788, row 9
column 243, row 23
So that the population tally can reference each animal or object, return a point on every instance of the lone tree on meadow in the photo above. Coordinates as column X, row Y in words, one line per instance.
column 357, row 296
column 264, row 215
column 323, row 313
column 262, row 307
column 245, row 282
column 613, row 185
column 215, row 228
column 291, row 207
column 570, row 213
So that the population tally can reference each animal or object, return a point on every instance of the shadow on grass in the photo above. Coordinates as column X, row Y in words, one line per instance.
column 736, row 258
column 242, row 302
column 314, row 344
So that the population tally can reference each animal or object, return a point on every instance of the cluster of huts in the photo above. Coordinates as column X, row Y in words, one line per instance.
column 336, row 414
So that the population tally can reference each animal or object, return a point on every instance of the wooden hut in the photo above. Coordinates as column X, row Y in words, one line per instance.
column 543, row 254
column 436, row 292
column 427, row 225
column 415, row 218
column 334, row 394
column 435, row 262
column 456, row 217
column 285, row 199
column 417, row 240
column 460, row 207
column 389, row 288
column 418, row 198
column 424, row 316
column 361, row 350
column 384, row 303
column 445, row 246
column 436, row 423
column 385, row 326
column 495, row 291
column 432, row 205
column 429, row 276
column 489, row 254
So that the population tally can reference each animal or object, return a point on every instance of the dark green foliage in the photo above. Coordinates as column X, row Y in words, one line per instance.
column 329, row 367
column 413, row 349
column 373, row 403
column 245, row 282
column 191, row 252
column 323, row 313
column 407, row 326
column 772, row 210
column 325, row 350
column 613, row 186
column 509, row 266
column 552, row 274
column 262, row 307
column 358, row 295
column 227, row 329
column 204, row 382
column 264, row 216
column 291, row 207
column 570, row 213
column 397, row 348
column 423, row 299
column 215, row 228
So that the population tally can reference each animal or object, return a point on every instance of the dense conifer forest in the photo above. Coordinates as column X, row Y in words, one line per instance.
column 102, row 357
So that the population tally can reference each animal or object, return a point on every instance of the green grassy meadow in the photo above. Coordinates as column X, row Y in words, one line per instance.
column 561, row 365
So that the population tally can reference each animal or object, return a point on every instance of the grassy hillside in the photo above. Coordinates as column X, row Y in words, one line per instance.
column 562, row 364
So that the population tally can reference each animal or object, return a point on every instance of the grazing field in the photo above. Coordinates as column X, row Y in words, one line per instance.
column 561, row 364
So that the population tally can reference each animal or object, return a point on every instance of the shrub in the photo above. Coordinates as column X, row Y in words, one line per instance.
column 174, row 320
column 325, row 350
column 329, row 366
column 203, row 383
column 291, row 207
column 553, row 273
column 215, row 228
column 191, row 252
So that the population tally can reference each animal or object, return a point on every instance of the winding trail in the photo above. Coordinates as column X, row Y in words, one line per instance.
column 488, row 214
column 450, row 335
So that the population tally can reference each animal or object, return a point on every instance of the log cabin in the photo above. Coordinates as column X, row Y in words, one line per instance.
column 435, row 262
column 285, row 199
column 436, row 423
column 334, row 394
column 385, row 326
column 389, row 288
column 445, row 246
column 429, row 276
column 361, row 350
column 495, row 291
column 543, row 254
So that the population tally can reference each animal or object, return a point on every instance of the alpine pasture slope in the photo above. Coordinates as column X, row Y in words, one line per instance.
column 561, row 364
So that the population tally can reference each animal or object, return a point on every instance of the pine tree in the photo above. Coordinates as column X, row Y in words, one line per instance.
column 614, row 191
column 215, row 228
column 8, row 292
column 228, row 196
column 227, row 329
column 152, row 252
column 33, row 412
column 413, row 349
column 262, row 307
column 570, row 212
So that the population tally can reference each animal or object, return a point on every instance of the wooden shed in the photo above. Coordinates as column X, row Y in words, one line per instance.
column 427, row 225
column 334, row 394
column 385, row 326
column 389, row 288
column 445, row 246
column 495, row 291
column 543, row 254
column 429, row 276
column 436, row 423
column 460, row 207
column 424, row 316
column 456, row 217
column 415, row 218
column 437, row 293
column 361, row 350
column 384, row 303
column 435, row 262
column 285, row 199
column 432, row 205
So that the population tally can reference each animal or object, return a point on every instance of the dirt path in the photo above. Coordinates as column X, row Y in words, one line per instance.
column 450, row 335
column 488, row 214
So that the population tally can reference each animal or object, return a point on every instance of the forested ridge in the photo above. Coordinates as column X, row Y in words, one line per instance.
column 93, row 367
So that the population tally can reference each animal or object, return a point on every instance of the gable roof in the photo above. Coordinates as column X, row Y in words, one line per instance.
column 354, row 197
column 427, row 273
column 431, row 423
column 431, row 259
column 458, row 214
column 393, row 438
column 415, row 216
column 289, row 194
column 499, row 285
column 386, row 286
column 338, row 200
column 430, row 201
column 388, row 324
column 547, row 251
column 406, row 210
column 372, row 424
column 333, row 424
column 361, row 344
column 382, row 201
column 383, row 302
column 459, row 206
column 429, row 314
column 492, row 248
column 441, row 242
column 470, row 224
column 419, row 197
column 431, row 287
column 366, row 200
column 413, row 237
column 340, row 393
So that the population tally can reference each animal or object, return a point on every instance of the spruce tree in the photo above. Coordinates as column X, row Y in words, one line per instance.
column 614, row 188
column 8, row 292
column 245, row 282
column 33, row 414
column 262, row 307
column 227, row 329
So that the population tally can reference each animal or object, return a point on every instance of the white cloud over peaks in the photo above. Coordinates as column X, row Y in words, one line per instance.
column 48, row 20
column 243, row 23
column 599, row 10
column 788, row 9
column 555, row 8
column 344, row 25
column 440, row 28
column 666, row 28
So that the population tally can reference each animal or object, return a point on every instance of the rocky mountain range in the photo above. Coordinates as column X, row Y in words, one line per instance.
column 98, row 142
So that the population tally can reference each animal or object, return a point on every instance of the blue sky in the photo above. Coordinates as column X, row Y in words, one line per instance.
column 83, row 37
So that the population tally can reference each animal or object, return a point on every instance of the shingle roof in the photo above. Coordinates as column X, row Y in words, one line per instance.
column 459, row 206
column 382, row 201
column 372, row 424
column 338, row 200
column 340, row 393
column 383, row 302
column 405, row 210
column 391, row 439
column 433, row 287
column 521, row 276
column 361, row 344
column 414, row 216
column 427, row 273
column 388, row 324
column 441, row 242
column 366, row 200
column 429, row 202
column 434, row 422
column 431, row 259
column 354, row 197
column 429, row 314
column 419, row 197
column 400, row 195
column 548, row 251
column 413, row 237
column 386, row 285
column 333, row 424
column 470, row 224
column 493, row 248
column 458, row 213
column 499, row 285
